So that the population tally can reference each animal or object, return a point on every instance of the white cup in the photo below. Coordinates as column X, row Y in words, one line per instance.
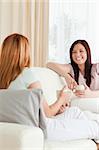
column 80, row 87
column 68, row 92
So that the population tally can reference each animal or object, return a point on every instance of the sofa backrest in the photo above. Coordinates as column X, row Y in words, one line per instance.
column 50, row 81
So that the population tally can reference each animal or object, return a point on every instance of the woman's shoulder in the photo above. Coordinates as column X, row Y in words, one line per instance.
column 95, row 64
column 95, row 68
column 26, row 70
column 28, row 74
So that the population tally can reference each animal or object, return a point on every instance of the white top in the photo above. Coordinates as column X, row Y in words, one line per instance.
column 23, row 80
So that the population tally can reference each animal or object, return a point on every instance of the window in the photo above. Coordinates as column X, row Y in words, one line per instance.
column 70, row 20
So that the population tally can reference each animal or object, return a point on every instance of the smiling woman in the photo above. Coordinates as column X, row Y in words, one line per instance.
column 80, row 57
column 81, row 70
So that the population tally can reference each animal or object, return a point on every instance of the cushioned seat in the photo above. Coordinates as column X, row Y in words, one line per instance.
column 22, row 137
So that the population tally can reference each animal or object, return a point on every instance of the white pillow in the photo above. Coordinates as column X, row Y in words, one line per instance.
column 91, row 104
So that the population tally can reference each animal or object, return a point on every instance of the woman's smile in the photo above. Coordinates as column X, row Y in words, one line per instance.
column 79, row 54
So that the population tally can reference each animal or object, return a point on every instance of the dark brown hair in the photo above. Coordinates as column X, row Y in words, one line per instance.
column 88, row 64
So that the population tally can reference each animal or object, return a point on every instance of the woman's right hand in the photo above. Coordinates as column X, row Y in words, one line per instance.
column 66, row 103
column 64, row 97
column 71, row 83
column 63, row 108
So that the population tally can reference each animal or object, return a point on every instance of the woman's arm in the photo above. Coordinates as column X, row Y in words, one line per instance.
column 54, row 109
column 95, row 93
column 63, row 70
column 35, row 85
column 88, row 93
column 92, row 94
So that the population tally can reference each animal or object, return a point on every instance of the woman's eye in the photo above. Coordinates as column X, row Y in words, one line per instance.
column 73, row 52
column 81, row 51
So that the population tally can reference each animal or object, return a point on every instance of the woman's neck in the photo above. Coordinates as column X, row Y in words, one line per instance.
column 82, row 69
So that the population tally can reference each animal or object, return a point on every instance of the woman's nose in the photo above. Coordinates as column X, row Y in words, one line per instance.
column 77, row 54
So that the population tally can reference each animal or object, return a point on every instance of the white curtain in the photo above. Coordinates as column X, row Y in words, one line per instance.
column 13, row 18
column 39, row 31
column 30, row 18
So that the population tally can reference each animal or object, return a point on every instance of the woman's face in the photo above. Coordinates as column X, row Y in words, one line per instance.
column 79, row 54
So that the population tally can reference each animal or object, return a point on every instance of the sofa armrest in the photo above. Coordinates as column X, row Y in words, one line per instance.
column 20, row 137
column 91, row 104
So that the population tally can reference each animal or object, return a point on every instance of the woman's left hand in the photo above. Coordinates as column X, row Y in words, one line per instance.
column 84, row 93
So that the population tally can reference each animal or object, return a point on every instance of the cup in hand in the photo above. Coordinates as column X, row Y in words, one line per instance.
column 67, row 91
column 80, row 88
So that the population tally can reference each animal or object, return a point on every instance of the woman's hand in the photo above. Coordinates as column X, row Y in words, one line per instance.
column 58, row 106
column 65, row 98
column 84, row 93
column 70, row 82
column 63, row 107
column 80, row 93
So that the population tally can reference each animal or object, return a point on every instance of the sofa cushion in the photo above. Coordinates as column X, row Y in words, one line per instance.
column 21, row 106
column 91, row 104
column 20, row 137
column 83, row 144
column 50, row 82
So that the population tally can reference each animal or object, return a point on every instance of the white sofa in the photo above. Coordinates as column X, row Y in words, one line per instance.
column 22, row 137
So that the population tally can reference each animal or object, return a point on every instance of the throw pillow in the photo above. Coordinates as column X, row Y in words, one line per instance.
column 22, row 106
